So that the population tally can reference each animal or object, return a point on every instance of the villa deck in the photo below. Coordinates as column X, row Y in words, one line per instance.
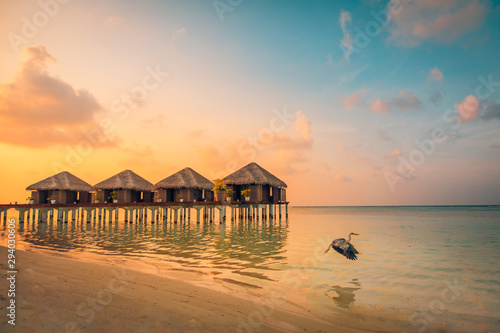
column 138, row 211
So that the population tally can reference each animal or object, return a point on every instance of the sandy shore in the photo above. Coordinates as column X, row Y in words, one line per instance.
column 58, row 294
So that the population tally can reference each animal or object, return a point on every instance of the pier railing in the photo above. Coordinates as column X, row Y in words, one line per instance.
column 138, row 211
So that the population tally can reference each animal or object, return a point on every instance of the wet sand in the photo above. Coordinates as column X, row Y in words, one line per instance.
column 58, row 294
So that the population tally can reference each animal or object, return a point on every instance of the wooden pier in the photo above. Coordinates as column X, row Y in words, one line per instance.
column 154, row 212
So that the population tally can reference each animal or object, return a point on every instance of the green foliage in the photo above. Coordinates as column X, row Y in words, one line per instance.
column 113, row 195
column 220, row 185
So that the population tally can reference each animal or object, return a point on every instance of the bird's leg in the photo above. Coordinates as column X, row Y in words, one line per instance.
column 328, row 249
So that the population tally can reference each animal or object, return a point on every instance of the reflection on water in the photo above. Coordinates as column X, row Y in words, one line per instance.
column 247, row 249
column 343, row 296
column 407, row 256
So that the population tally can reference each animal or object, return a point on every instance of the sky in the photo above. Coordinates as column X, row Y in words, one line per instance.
column 348, row 102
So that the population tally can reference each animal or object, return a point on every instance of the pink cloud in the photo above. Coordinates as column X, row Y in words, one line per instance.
column 40, row 110
column 113, row 21
column 355, row 99
column 383, row 135
column 338, row 146
column 342, row 179
column 380, row 106
column 300, row 138
column 405, row 100
column 435, row 75
column 394, row 153
column 469, row 108
column 442, row 21
column 402, row 101
column 286, row 149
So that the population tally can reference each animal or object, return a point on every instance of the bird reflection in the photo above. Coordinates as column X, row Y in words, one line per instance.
column 344, row 296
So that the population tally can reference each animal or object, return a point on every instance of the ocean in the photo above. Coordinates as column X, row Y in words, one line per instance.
column 420, row 269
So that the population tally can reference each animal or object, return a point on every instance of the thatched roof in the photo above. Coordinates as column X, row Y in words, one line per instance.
column 61, row 181
column 126, row 180
column 186, row 178
column 253, row 174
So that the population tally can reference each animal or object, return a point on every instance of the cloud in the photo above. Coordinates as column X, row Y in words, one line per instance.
column 355, row 99
column 196, row 134
column 402, row 101
column 438, row 21
column 156, row 121
column 468, row 109
column 394, row 153
column 40, row 110
column 338, row 178
column 346, row 41
column 405, row 101
column 383, row 135
column 494, row 146
column 436, row 97
column 178, row 33
column 285, row 149
column 114, row 21
column 380, row 106
column 338, row 146
column 300, row 138
column 435, row 75
column 492, row 111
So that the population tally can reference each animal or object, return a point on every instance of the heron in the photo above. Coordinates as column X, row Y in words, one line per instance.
column 344, row 247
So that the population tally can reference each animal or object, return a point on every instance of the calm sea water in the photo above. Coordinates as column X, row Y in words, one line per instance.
column 420, row 269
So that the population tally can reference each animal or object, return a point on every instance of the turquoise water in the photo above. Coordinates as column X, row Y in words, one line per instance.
column 420, row 269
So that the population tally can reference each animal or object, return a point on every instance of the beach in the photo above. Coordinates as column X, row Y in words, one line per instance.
column 415, row 273
column 58, row 294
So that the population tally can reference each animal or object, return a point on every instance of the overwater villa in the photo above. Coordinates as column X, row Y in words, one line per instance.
column 264, row 187
column 184, row 186
column 124, row 187
column 61, row 188
column 173, row 198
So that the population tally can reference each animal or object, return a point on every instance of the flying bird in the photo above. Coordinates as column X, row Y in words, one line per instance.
column 344, row 247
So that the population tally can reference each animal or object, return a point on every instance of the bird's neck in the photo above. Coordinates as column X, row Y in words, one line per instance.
column 349, row 239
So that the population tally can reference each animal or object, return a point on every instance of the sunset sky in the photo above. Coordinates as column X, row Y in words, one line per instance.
column 349, row 103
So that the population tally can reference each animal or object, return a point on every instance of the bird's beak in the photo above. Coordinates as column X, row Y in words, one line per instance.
column 355, row 234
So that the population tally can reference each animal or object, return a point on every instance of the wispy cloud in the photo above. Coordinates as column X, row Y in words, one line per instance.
column 405, row 101
column 436, row 97
column 380, row 106
column 394, row 153
column 178, row 33
column 383, row 135
column 440, row 21
column 181, row 31
column 355, row 99
column 156, row 121
column 402, row 101
column 346, row 41
column 338, row 178
column 492, row 111
column 435, row 75
column 114, row 21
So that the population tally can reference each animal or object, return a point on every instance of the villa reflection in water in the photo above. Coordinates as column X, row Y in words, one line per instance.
column 245, row 248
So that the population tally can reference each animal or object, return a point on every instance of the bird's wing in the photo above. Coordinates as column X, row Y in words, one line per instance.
column 353, row 249
column 344, row 248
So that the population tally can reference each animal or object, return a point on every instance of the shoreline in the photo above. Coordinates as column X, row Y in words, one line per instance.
column 60, row 294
